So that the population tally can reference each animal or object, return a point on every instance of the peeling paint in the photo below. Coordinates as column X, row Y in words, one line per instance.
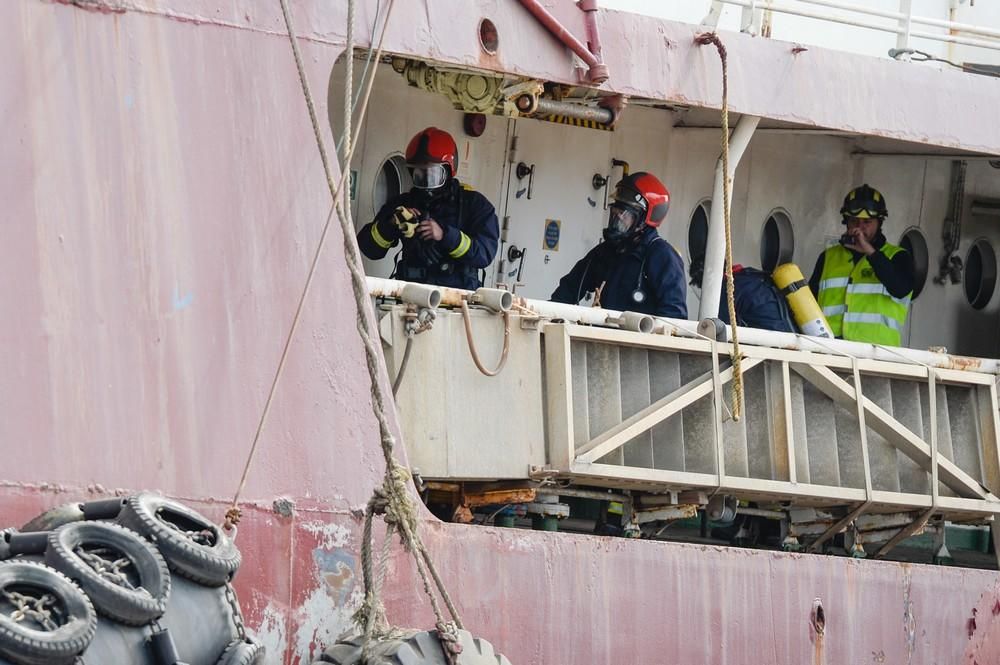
column 909, row 621
column 271, row 632
column 329, row 536
column 337, row 571
column 320, row 623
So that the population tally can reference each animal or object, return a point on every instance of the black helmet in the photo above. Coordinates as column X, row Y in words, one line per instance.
column 864, row 202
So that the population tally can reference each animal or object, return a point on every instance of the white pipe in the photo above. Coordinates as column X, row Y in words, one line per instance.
column 905, row 25
column 896, row 29
column 715, row 249
column 391, row 288
column 921, row 20
column 951, row 39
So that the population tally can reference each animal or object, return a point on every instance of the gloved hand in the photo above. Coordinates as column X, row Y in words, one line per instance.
column 405, row 220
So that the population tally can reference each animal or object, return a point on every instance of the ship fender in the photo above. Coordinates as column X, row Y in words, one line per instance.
column 132, row 587
column 192, row 546
column 242, row 652
column 413, row 648
column 5, row 545
column 55, row 517
column 24, row 642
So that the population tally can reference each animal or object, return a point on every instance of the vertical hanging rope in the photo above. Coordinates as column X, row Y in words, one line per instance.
column 233, row 514
column 391, row 499
column 348, row 147
column 712, row 38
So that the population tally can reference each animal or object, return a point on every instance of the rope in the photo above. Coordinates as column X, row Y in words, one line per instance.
column 233, row 514
column 712, row 38
column 348, row 144
column 391, row 499
column 472, row 345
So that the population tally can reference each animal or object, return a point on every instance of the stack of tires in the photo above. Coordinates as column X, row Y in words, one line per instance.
column 139, row 580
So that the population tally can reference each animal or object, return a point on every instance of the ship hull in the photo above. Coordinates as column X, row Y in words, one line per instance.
column 163, row 195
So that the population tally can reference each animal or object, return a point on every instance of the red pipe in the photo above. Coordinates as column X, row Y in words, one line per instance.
column 598, row 72
column 589, row 8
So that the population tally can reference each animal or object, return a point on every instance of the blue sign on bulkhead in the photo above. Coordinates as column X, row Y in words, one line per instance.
column 550, row 242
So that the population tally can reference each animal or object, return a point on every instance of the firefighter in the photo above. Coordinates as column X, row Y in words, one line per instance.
column 448, row 232
column 864, row 284
column 759, row 303
column 633, row 268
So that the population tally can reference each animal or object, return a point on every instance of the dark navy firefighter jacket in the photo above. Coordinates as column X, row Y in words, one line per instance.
column 469, row 244
column 759, row 303
column 662, row 281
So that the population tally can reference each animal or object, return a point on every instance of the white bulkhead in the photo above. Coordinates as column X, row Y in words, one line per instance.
column 798, row 174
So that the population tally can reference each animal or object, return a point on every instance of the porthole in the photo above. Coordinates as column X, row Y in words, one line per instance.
column 489, row 38
column 393, row 179
column 913, row 242
column 980, row 274
column 777, row 241
column 698, row 231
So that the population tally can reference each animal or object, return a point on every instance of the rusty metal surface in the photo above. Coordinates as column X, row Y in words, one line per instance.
column 562, row 598
column 161, row 193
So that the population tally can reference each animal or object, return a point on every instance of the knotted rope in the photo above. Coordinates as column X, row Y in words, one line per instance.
column 704, row 39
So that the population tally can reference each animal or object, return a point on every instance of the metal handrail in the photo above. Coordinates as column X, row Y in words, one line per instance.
column 904, row 20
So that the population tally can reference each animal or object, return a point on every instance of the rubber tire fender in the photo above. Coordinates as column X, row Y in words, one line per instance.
column 210, row 565
column 133, row 607
column 243, row 652
column 5, row 546
column 26, row 646
column 415, row 648
column 55, row 517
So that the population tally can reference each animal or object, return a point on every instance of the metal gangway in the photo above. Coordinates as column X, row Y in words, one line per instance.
column 594, row 398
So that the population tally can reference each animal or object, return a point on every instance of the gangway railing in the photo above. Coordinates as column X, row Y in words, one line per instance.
column 641, row 409
column 904, row 20
column 587, row 399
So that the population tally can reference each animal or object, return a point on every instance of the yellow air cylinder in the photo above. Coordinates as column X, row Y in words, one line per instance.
column 808, row 315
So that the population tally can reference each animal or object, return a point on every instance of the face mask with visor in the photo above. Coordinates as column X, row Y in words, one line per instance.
column 624, row 220
column 429, row 176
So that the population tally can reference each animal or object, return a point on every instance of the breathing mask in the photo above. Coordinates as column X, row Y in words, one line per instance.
column 429, row 176
column 623, row 222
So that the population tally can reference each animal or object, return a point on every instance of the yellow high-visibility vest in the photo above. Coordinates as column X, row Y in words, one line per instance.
column 856, row 303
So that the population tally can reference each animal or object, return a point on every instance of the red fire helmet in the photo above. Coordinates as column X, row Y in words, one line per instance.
column 644, row 191
column 433, row 146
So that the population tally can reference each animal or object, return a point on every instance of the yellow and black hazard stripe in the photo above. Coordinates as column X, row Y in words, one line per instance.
column 576, row 122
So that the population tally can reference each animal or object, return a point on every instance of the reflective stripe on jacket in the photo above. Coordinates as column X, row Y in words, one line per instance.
column 855, row 302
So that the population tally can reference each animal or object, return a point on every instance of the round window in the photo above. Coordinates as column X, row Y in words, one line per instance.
column 777, row 241
column 913, row 242
column 698, row 231
column 489, row 38
column 393, row 179
column 980, row 274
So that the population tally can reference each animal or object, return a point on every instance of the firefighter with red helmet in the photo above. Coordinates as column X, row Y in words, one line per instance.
column 633, row 268
column 448, row 232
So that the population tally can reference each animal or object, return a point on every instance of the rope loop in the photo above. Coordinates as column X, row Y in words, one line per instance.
column 233, row 517
column 467, row 320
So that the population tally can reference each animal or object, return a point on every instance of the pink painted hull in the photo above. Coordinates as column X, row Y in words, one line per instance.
column 161, row 196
